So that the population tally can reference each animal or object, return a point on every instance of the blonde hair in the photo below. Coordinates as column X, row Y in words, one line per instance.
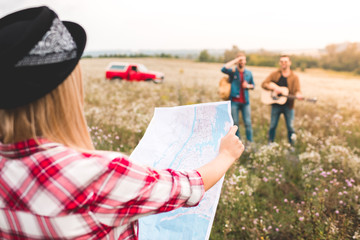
column 58, row 117
column 240, row 54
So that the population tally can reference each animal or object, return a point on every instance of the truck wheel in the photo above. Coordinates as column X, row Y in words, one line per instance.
column 116, row 78
column 157, row 81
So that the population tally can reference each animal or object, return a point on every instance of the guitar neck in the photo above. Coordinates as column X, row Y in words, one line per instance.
column 289, row 96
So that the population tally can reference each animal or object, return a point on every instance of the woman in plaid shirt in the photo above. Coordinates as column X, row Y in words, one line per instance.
column 53, row 184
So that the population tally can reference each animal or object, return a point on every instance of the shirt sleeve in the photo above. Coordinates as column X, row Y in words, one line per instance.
column 128, row 191
column 297, row 85
column 269, row 79
column 225, row 70
column 252, row 80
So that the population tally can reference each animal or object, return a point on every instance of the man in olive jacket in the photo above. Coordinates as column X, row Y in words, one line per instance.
column 283, row 77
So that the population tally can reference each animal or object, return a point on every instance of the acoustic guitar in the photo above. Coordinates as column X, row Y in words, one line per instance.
column 270, row 97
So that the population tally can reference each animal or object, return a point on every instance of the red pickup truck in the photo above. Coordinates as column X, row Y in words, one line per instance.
column 132, row 72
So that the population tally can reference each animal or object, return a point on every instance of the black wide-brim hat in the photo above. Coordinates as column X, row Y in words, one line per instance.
column 37, row 53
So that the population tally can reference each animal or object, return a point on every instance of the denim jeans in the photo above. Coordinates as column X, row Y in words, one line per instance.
column 236, row 107
column 276, row 111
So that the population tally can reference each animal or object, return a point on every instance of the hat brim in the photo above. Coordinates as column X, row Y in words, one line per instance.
column 44, row 78
column 79, row 36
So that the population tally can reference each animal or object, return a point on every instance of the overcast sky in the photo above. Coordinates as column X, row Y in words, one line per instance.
column 206, row 24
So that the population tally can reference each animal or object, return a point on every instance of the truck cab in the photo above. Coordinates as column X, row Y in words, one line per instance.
column 132, row 72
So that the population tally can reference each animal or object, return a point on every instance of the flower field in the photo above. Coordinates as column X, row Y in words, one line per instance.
column 310, row 191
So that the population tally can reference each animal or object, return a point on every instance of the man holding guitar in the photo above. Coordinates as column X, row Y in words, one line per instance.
column 283, row 82
column 241, row 80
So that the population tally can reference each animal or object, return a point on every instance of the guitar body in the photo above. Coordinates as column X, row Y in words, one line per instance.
column 224, row 88
column 269, row 97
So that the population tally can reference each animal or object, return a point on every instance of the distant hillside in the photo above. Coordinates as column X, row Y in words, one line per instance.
column 181, row 53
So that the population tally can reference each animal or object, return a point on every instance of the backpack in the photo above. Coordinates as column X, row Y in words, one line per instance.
column 224, row 88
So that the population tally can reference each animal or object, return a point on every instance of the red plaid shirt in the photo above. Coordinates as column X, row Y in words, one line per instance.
column 50, row 191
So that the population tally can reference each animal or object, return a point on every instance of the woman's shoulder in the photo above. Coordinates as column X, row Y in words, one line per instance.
column 77, row 158
column 106, row 155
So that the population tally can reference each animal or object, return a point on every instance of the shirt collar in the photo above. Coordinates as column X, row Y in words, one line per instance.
column 25, row 148
column 291, row 72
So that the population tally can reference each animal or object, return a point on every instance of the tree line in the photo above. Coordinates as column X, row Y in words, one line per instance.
column 344, row 58
column 136, row 55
